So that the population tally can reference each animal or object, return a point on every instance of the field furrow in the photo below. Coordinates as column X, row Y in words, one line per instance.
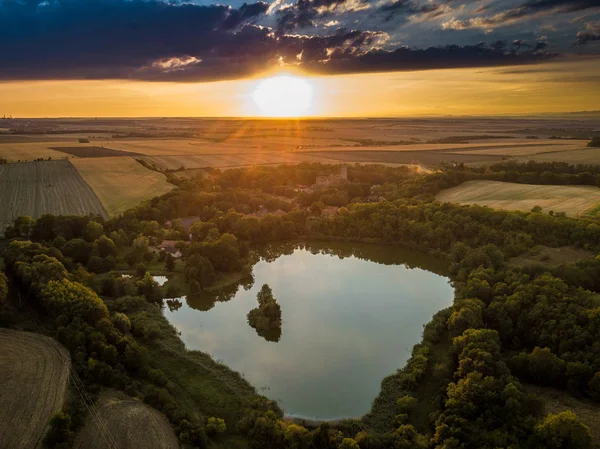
column 127, row 424
column 45, row 187
column 34, row 370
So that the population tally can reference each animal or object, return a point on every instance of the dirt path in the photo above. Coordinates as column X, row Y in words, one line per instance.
column 34, row 371
column 129, row 424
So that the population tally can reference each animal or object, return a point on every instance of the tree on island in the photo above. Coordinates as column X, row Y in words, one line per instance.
column 266, row 318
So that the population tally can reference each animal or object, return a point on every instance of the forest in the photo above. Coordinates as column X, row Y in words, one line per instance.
column 508, row 326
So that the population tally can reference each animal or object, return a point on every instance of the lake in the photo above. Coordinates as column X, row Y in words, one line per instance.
column 351, row 315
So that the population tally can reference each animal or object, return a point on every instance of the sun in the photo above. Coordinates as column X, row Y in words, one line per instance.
column 283, row 96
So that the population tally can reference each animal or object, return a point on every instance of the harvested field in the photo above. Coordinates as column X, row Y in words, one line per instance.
column 129, row 424
column 582, row 156
column 248, row 144
column 45, row 187
column 551, row 257
column 510, row 196
column 230, row 160
column 14, row 152
column 403, row 157
column 166, row 147
column 34, row 370
column 121, row 182
column 497, row 146
column 527, row 150
column 92, row 151
column 556, row 401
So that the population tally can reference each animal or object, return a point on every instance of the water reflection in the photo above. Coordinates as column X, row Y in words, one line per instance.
column 351, row 315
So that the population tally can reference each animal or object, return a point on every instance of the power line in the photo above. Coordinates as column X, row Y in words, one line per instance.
column 88, row 402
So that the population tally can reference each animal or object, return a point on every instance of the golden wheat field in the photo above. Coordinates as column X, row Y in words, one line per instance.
column 509, row 196
column 121, row 182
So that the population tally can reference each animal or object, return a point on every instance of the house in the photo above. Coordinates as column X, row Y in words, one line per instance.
column 169, row 247
column 303, row 188
column 338, row 178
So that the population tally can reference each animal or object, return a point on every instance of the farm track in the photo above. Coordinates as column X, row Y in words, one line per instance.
column 131, row 425
column 34, row 370
column 45, row 187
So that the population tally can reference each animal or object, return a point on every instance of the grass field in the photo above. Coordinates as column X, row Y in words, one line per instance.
column 121, row 182
column 556, row 401
column 201, row 386
column 509, row 196
column 129, row 424
column 34, row 370
column 36, row 188
column 591, row 212
column 551, row 257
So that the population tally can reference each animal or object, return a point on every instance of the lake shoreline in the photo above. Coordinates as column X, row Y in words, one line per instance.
column 315, row 282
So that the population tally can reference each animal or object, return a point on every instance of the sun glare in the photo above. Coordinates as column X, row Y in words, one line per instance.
column 283, row 96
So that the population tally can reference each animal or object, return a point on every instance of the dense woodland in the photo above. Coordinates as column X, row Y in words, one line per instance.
column 508, row 326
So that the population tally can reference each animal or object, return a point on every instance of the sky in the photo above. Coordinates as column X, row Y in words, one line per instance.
column 360, row 57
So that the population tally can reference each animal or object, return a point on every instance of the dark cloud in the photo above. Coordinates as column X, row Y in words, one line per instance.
column 583, row 37
column 245, row 13
column 591, row 33
column 529, row 9
column 410, row 8
column 450, row 56
column 303, row 13
column 518, row 43
column 158, row 40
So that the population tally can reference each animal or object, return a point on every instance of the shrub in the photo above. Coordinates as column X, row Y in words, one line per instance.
column 215, row 426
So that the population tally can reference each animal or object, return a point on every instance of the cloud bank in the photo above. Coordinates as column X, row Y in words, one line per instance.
column 184, row 41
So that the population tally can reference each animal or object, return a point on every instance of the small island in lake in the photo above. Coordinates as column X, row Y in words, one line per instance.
column 266, row 318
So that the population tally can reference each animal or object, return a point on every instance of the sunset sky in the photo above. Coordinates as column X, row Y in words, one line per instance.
column 357, row 57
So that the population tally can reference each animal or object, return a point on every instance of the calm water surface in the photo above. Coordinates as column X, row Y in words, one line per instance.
column 347, row 323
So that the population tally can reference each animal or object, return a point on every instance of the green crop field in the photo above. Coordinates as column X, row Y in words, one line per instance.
column 505, row 195
column 121, row 182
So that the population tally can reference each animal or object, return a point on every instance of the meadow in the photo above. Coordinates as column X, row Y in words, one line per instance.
column 120, row 182
column 34, row 371
column 45, row 187
column 511, row 196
